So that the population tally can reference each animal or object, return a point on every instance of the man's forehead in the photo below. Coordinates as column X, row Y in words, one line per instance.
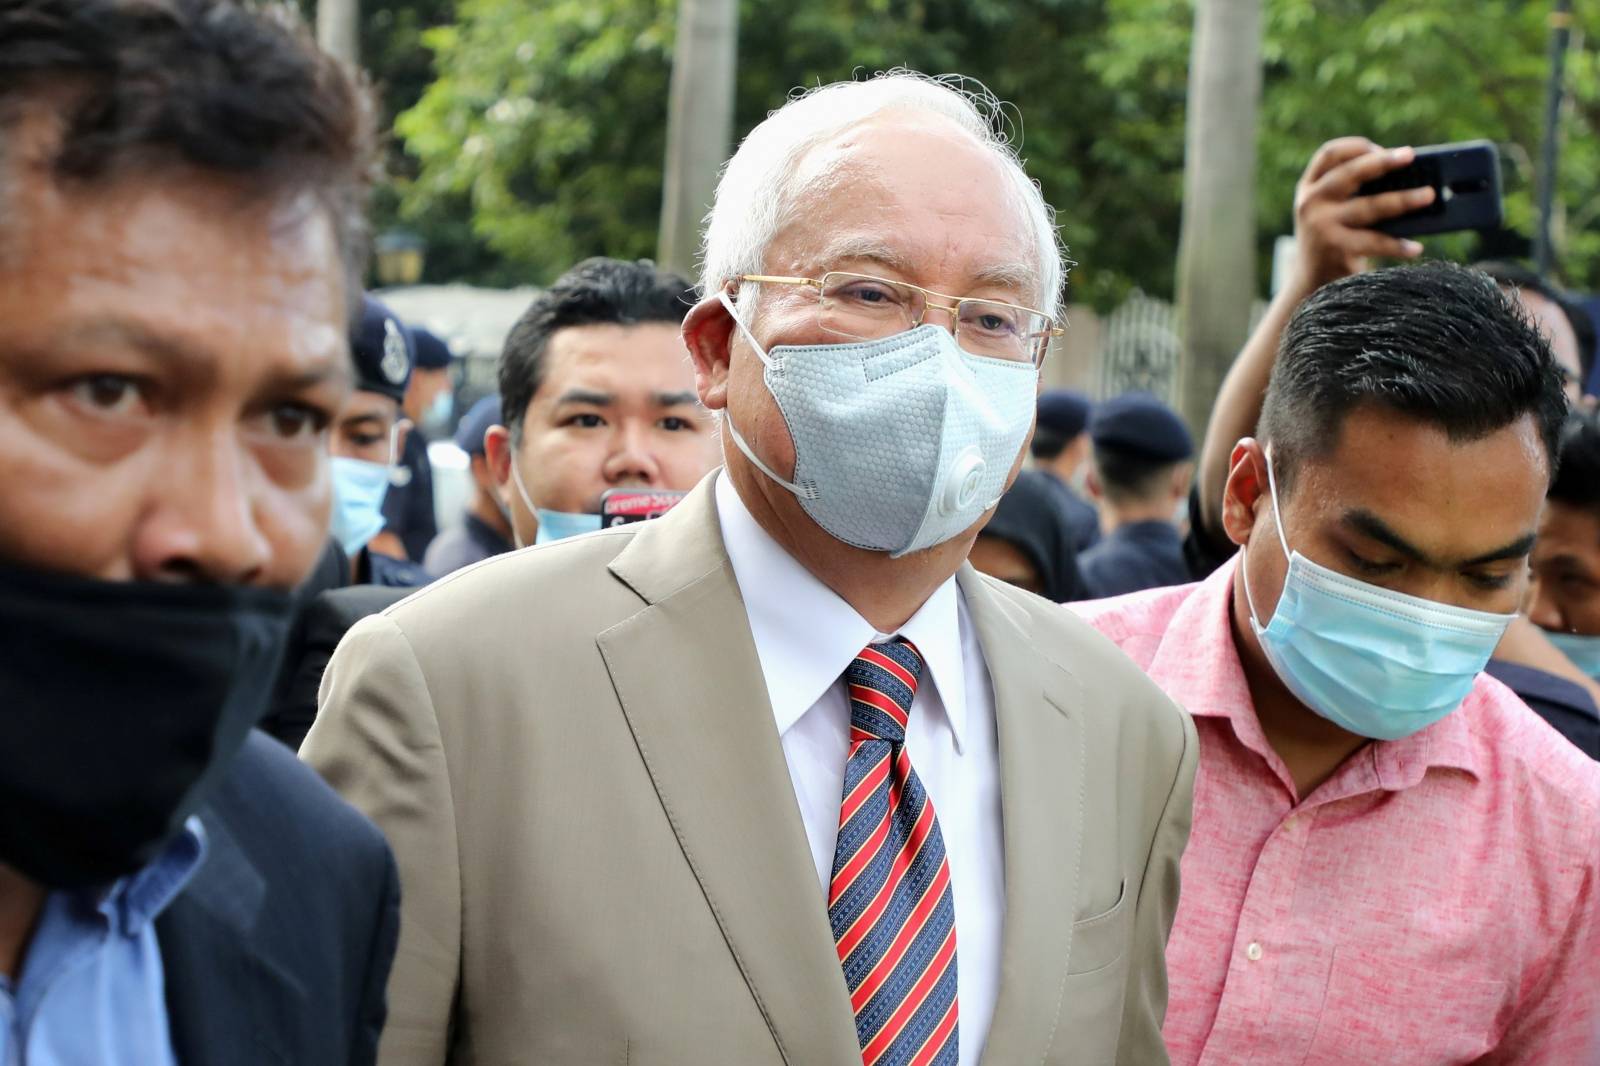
column 633, row 356
column 907, row 189
column 155, row 266
column 1453, row 498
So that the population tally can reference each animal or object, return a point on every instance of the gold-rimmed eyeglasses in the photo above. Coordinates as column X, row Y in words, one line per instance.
column 863, row 307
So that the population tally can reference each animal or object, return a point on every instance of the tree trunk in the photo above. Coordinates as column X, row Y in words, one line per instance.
column 339, row 29
column 1216, row 250
column 699, row 124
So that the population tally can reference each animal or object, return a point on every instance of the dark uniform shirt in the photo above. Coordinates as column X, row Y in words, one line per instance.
column 408, row 508
column 471, row 542
column 1140, row 555
column 375, row 568
column 1203, row 554
column 1082, row 518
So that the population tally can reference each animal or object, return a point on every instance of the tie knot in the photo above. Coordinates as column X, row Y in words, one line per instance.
column 882, row 682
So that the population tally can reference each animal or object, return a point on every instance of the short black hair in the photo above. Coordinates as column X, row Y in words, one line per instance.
column 1047, row 444
column 597, row 291
column 230, row 87
column 1577, row 480
column 1132, row 477
column 1437, row 343
column 1509, row 275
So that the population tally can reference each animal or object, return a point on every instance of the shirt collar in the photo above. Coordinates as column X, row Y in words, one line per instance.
column 1197, row 664
column 1150, row 531
column 806, row 635
column 135, row 901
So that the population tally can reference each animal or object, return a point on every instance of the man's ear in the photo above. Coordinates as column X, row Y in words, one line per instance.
column 1091, row 484
column 708, row 332
column 497, row 454
column 1245, row 492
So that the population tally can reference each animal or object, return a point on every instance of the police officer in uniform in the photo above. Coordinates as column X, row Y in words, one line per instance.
column 429, row 401
column 1060, row 448
column 1139, row 475
column 368, row 437
column 485, row 528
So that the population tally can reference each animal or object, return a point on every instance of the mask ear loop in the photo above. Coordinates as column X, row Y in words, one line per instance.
column 516, row 478
column 394, row 442
column 804, row 492
column 1277, row 521
column 751, row 337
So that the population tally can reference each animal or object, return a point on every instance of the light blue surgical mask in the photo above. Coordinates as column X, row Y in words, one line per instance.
column 1378, row 663
column 359, row 488
column 900, row 443
column 440, row 410
column 1584, row 651
column 553, row 525
column 559, row 525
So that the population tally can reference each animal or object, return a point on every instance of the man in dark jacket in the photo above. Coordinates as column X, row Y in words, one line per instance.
column 182, row 185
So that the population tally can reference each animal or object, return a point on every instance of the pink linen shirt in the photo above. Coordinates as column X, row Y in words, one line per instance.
column 1433, row 902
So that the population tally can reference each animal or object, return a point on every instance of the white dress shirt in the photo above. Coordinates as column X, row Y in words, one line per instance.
column 805, row 637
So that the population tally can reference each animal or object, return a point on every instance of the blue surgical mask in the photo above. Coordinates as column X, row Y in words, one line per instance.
column 441, row 408
column 553, row 525
column 359, row 488
column 1584, row 651
column 1378, row 663
column 900, row 443
column 559, row 525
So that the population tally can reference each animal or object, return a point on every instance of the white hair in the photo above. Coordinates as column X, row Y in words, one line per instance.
column 763, row 180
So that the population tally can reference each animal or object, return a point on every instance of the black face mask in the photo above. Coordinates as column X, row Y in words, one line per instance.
column 120, row 705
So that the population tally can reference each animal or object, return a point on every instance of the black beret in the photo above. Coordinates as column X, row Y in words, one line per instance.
column 432, row 352
column 1138, row 423
column 383, row 351
column 1064, row 412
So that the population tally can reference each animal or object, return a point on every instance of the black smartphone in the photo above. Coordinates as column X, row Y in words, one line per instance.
column 1466, row 185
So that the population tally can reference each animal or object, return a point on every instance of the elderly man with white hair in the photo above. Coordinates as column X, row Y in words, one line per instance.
column 778, row 778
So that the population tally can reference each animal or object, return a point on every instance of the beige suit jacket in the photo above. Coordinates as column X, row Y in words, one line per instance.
column 572, row 753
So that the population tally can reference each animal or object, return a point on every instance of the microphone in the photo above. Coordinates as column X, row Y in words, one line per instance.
column 620, row 507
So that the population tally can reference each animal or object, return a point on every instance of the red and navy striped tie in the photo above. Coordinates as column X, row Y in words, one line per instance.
column 891, row 904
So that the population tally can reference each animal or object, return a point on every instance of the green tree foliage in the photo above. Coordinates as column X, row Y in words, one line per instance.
column 541, row 139
column 1401, row 72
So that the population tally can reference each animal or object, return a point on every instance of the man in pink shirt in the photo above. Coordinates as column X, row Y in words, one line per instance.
column 1393, row 861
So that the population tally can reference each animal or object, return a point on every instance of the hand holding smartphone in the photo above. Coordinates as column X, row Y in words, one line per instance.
column 1465, row 178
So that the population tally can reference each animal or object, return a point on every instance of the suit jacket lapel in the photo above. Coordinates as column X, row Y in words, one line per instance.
column 1041, row 800
column 686, row 672
column 227, row 1000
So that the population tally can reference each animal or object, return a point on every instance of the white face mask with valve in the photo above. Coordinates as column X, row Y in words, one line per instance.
column 900, row 443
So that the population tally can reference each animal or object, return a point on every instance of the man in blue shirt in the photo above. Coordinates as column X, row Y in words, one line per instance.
column 177, row 261
column 95, row 954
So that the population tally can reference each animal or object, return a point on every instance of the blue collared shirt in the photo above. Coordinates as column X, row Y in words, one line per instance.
column 92, row 988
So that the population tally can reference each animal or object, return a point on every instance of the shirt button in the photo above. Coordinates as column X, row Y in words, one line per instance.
column 1253, row 952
